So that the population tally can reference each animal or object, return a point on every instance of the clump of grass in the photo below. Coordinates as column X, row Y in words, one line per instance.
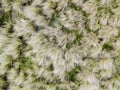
column 25, row 63
column 107, row 46
column 6, row 17
column 72, row 74
column 68, row 45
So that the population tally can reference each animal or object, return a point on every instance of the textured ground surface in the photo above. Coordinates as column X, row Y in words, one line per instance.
column 59, row 44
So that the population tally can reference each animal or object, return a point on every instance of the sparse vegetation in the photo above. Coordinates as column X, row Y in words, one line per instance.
column 59, row 44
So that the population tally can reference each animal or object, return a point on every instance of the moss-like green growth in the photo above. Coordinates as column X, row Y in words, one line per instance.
column 68, row 45
column 6, row 17
column 25, row 63
column 72, row 74
column 107, row 46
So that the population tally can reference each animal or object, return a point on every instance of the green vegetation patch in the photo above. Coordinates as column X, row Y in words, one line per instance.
column 25, row 63
column 107, row 46
column 71, row 75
